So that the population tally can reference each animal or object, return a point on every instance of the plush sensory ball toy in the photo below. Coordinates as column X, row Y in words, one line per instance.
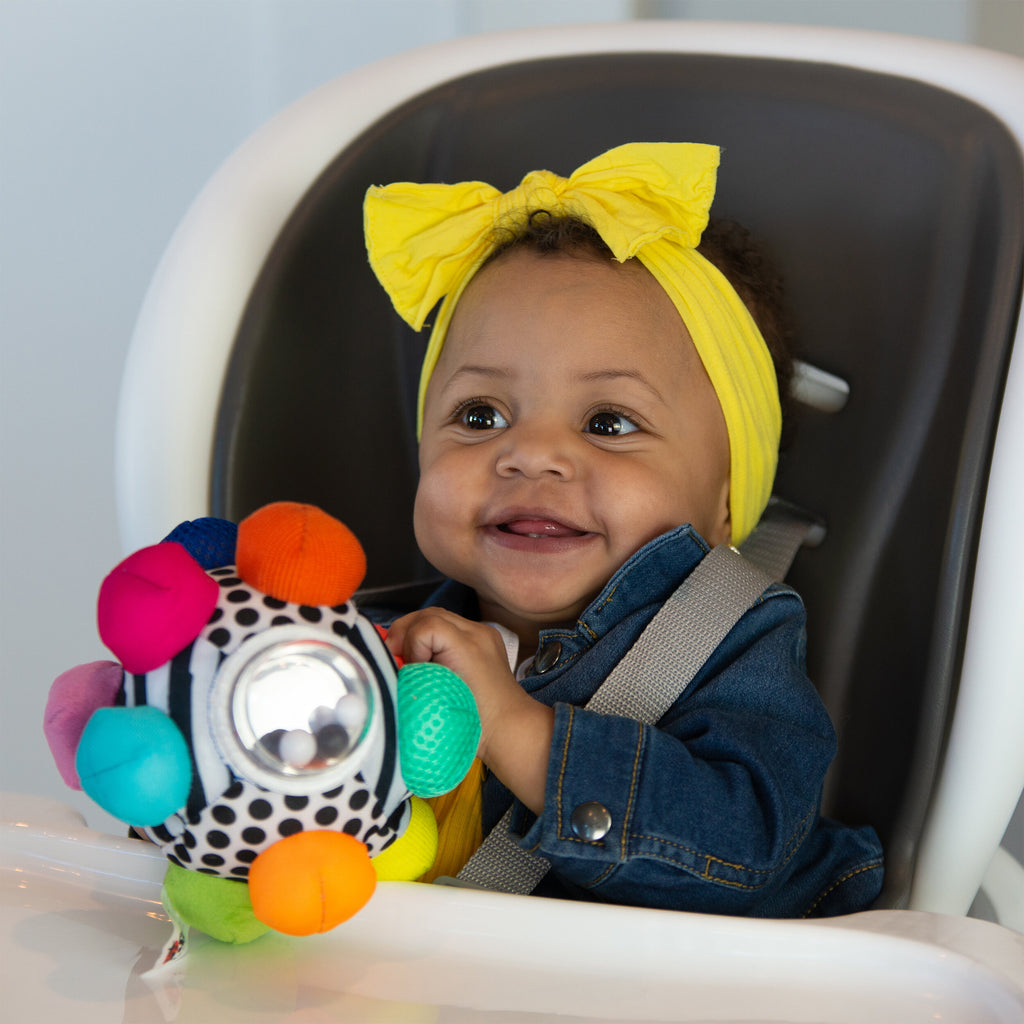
column 256, row 727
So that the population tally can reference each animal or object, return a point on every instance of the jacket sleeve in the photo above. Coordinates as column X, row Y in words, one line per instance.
column 705, row 810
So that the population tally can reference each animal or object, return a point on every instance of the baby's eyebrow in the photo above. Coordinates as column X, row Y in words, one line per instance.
column 602, row 376
column 474, row 370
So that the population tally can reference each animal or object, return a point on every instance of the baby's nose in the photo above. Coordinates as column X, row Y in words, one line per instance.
column 538, row 451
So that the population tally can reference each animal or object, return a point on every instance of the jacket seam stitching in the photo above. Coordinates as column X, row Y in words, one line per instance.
column 562, row 767
column 710, row 859
column 628, row 814
column 872, row 866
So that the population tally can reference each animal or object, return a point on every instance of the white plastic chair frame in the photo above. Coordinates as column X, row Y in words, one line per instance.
column 180, row 349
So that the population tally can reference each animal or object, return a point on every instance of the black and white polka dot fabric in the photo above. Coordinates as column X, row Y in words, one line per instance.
column 232, row 814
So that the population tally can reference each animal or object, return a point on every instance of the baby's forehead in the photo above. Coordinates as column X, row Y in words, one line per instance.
column 580, row 291
column 597, row 326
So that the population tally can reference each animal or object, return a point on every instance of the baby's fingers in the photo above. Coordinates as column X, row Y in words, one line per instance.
column 425, row 635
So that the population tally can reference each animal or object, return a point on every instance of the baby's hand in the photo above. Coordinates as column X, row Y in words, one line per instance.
column 473, row 651
column 515, row 730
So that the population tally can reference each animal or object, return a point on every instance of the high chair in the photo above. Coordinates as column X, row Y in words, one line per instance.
column 885, row 176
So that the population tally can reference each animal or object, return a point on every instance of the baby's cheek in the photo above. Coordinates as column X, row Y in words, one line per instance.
column 430, row 513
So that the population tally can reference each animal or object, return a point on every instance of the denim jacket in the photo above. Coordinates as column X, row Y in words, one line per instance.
column 716, row 808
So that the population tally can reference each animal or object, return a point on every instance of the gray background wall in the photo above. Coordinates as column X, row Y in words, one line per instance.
column 113, row 113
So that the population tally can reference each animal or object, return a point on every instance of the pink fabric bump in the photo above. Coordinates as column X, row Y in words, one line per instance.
column 74, row 696
column 153, row 605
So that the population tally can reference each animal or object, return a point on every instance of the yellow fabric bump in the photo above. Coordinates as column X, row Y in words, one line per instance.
column 459, row 829
column 414, row 851
column 646, row 200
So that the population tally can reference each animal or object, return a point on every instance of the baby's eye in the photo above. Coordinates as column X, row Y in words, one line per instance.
column 610, row 424
column 482, row 417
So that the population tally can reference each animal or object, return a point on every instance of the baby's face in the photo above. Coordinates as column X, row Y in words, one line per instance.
column 568, row 422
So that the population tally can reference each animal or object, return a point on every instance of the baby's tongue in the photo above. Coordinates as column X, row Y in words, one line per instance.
column 540, row 527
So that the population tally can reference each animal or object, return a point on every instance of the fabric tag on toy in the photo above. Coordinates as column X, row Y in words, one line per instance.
column 169, row 968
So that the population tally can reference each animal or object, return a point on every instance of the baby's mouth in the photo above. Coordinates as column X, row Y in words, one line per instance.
column 539, row 529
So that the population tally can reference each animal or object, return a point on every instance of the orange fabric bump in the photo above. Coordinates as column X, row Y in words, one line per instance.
column 299, row 553
column 311, row 882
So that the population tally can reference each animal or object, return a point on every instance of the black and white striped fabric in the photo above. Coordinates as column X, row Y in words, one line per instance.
column 229, row 820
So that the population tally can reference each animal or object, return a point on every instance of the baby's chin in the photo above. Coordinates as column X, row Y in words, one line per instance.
column 527, row 618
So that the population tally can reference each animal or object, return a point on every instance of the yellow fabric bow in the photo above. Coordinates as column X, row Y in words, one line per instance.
column 646, row 200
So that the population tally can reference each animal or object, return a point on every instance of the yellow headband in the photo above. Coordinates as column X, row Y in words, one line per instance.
column 648, row 200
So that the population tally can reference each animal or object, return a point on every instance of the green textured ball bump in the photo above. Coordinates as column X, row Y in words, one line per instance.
column 438, row 728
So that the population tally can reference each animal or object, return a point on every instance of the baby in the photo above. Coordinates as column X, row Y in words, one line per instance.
column 597, row 409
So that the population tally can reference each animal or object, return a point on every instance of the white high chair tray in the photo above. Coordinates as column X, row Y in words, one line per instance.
column 81, row 922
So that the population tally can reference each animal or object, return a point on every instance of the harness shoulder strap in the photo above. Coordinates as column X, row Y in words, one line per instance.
column 782, row 530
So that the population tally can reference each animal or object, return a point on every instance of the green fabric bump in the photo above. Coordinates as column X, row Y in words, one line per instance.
column 438, row 728
column 218, row 906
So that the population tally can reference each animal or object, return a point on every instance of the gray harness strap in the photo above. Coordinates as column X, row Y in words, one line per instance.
column 643, row 686
column 783, row 529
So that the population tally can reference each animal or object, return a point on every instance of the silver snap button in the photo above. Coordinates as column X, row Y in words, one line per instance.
column 547, row 657
column 591, row 821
